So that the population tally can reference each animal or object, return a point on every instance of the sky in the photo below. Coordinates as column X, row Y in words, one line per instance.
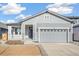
column 15, row 12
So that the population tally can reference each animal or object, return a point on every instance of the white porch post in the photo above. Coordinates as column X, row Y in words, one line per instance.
column 9, row 33
column 23, row 31
column 70, row 34
column 35, row 32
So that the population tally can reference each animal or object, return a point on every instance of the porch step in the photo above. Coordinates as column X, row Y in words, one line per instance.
column 14, row 42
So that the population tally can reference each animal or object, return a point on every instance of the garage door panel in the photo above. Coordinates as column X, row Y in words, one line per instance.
column 60, row 37
column 53, row 35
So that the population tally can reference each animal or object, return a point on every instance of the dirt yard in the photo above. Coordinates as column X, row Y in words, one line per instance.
column 20, row 50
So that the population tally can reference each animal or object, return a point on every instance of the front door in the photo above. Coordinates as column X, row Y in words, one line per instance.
column 30, row 32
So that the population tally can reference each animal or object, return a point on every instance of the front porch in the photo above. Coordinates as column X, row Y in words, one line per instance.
column 20, row 34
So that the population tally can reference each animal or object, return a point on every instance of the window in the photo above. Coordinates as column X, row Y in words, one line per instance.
column 16, row 30
column 45, row 30
column 19, row 30
column 51, row 30
column 54, row 30
column 48, row 30
column 65, row 30
column 58, row 30
column 41, row 30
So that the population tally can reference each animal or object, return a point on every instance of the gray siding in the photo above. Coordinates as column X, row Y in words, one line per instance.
column 53, row 25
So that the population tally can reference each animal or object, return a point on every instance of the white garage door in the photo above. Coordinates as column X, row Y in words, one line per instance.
column 53, row 35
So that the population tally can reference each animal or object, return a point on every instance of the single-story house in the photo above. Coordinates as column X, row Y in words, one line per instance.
column 76, row 32
column 46, row 26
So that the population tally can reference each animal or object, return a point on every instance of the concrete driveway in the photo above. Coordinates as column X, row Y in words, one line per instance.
column 60, row 49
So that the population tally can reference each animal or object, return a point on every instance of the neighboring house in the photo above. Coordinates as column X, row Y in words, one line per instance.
column 75, row 19
column 76, row 32
column 46, row 26
column 3, row 29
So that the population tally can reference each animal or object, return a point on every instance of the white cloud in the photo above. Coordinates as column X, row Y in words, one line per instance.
column 17, row 19
column 11, row 21
column 61, row 8
column 21, row 16
column 12, row 8
column 8, row 21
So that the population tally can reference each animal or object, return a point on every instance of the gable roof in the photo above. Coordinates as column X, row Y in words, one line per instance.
column 51, row 12
column 73, row 17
